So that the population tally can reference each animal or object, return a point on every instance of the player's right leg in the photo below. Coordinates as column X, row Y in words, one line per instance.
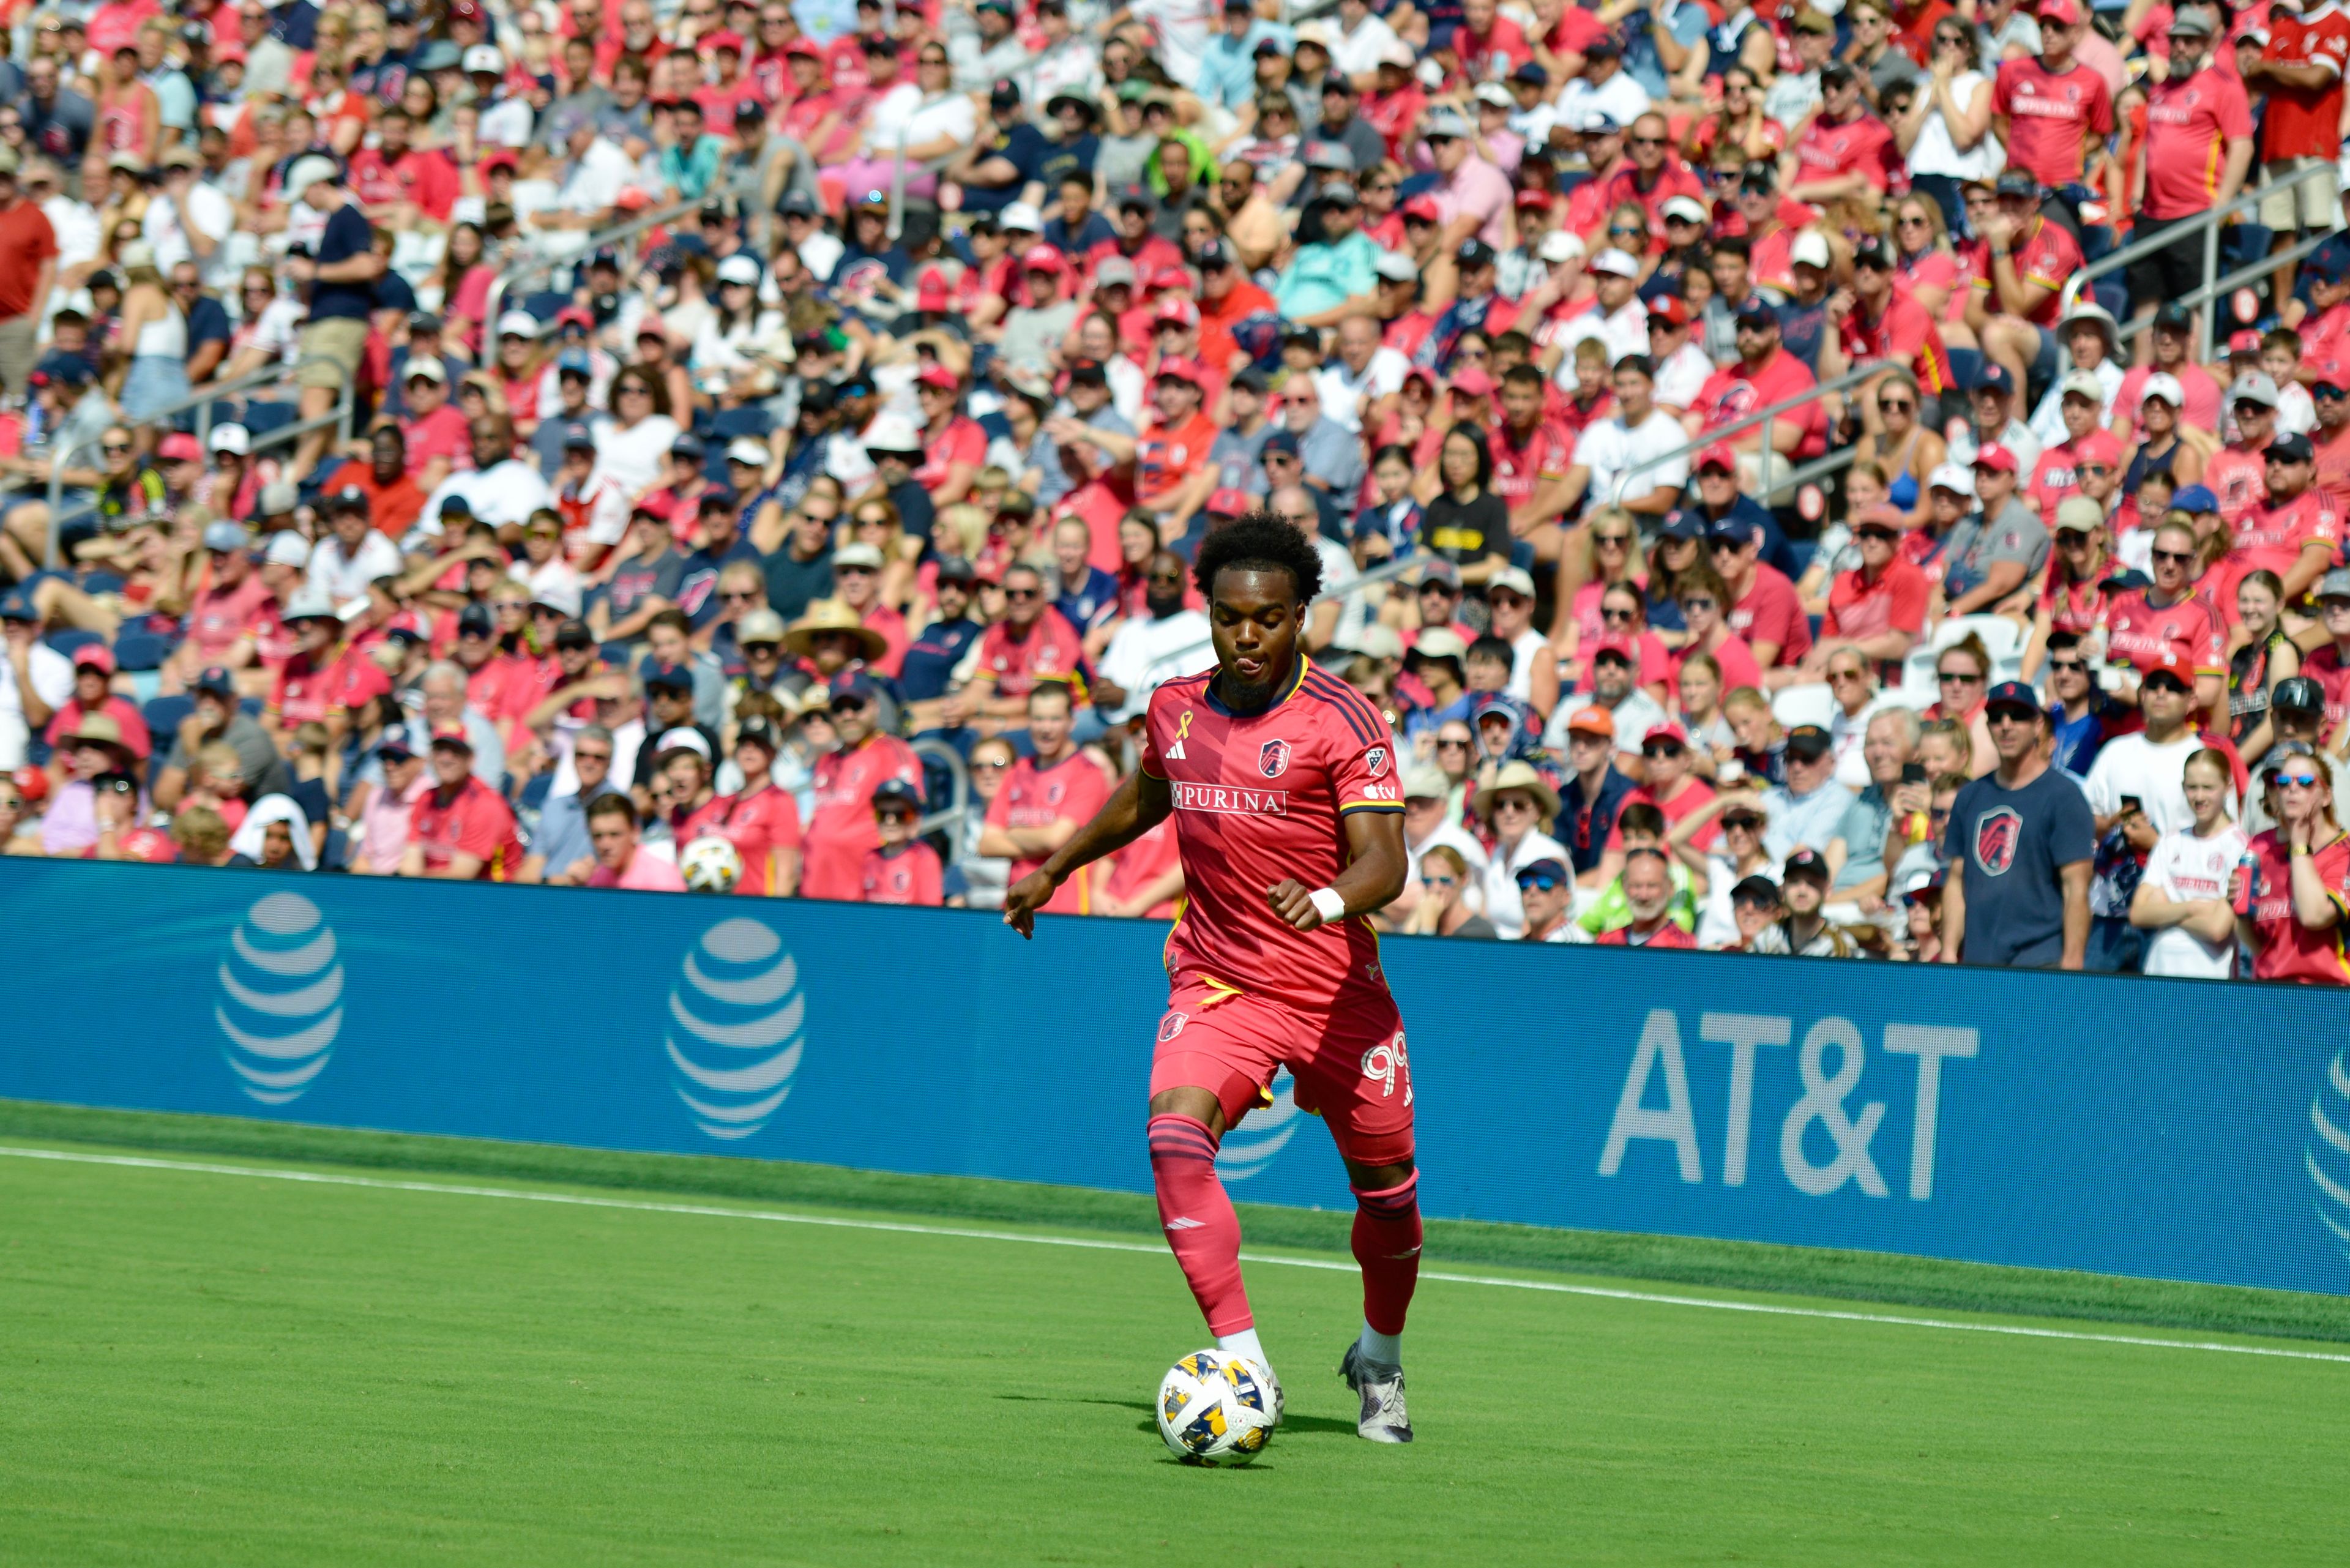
column 1214, row 1053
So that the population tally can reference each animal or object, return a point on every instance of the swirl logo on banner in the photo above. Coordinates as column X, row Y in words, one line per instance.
column 282, row 992
column 1262, row 1133
column 2329, row 1155
column 739, row 1014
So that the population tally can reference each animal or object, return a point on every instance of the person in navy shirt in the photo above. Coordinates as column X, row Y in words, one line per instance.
column 928, row 669
column 1089, row 594
column 722, row 542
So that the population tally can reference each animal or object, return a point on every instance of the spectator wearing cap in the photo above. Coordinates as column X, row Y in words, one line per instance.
column 926, row 673
column 1998, row 548
column 1760, row 606
column 1991, row 405
column 353, row 554
column 718, row 543
column 1796, row 93
column 1334, row 119
column 1043, row 314
column 1547, row 895
column 2019, row 842
column 460, row 829
column 1764, row 374
column 2137, row 790
column 1472, row 197
column 2299, row 711
column 2328, row 664
column 2294, row 530
column 1808, row 810
column 323, row 681
column 2091, row 349
column 340, row 272
column 447, row 707
column 1878, row 610
column 382, row 809
column 842, row 827
column 1329, row 273
column 93, row 694
column 1227, row 68
column 2030, row 257
column 1844, row 152
column 92, row 756
column 35, row 680
column 433, row 430
column 1519, row 807
column 1616, row 316
column 1803, row 930
column 902, row 868
column 2330, row 395
column 2197, row 399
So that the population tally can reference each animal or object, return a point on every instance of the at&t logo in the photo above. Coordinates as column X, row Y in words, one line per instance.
column 738, row 1018
column 2328, row 1155
column 1262, row 1135
column 281, row 998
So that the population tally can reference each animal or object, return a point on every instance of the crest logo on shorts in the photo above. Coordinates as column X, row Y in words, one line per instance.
column 1171, row 1025
column 1375, row 761
column 1997, row 834
column 1273, row 759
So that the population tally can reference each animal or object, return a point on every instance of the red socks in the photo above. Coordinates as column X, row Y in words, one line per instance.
column 1386, row 1244
column 1199, row 1221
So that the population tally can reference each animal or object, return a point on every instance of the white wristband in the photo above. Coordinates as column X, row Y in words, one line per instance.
column 1328, row 904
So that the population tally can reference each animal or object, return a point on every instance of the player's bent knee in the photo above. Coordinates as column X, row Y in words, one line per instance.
column 1379, row 1177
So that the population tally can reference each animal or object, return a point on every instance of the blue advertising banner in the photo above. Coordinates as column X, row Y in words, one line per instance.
column 2173, row 1129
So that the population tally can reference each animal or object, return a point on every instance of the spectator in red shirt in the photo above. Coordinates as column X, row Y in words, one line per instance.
column 2299, row 74
column 1763, row 609
column 460, row 829
column 437, row 435
column 953, row 446
column 2052, row 114
column 1034, row 643
column 842, row 827
column 2298, row 904
column 2199, row 144
column 1878, row 608
column 2029, row 260
column 620, row 860
column 902, row 868
column 93, row 676
column 1844, row 153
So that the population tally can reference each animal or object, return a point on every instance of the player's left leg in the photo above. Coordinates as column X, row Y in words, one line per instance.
column 1360, row 1080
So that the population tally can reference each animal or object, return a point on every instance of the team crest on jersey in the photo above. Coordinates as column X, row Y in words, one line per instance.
column 1171, row 1025
column 1374, row 761
column 1997, row 834
column 1273, row 759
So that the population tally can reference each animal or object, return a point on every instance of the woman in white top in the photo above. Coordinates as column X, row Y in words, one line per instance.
column 633, row 440
column 155, row 377
column 926, row 116
column 1521, row 806
column 2183, row 898
column 1947, row 132
column 734, row 335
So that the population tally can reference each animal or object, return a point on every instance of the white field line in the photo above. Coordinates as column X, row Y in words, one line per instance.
column 773, row 1215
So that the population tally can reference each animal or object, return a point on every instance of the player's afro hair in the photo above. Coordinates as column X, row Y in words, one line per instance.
column 1260, row 541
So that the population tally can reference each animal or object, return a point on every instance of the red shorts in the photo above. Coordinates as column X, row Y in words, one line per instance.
column 1350, row 1065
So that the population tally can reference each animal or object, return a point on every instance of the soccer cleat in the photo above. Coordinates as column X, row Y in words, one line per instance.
column 1384, row 1419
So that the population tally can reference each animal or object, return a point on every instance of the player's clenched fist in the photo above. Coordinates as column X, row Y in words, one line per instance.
column 1024, row 898
column 1292, row 901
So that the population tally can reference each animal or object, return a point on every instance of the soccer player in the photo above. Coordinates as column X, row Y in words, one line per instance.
column 1289, row 821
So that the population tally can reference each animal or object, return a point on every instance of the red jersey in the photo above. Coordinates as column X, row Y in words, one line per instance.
column 1143, row 862
column 1769, row 611
column 1071, row 790
column 2053, row 120
column 1735, row 391
column 427, row 179
column 842, row 828
column 1258, row 798
column 761, row 825
column 501, row 687
column 1051, row 650
column 219, row 618
column 2334, row 467
column 2305, row 122
column 1861, row 145
column 1895, row 602
column 2054, row 478
column 1156, row 253
column 2239, row 477
column 2188, row 124
column 1668, row 935
column 304, row 694
column 2289, row 949
column 1393, row 114
column 1165, row 458
column 2046, row 259
column 1673, row 178
column 1905, row 334
column 2325, row 666
column 2138, row 634
column 961, row 441
column 2076, row 607
column 910, row 877
column 1493, row 54
column 1406, row 332
column 475, row 821
column 1520, row 467
column 2274, row 536
column 440, row 433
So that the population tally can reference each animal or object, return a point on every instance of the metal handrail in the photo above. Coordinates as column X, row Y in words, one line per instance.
column 536, row 264
column 200, row 401
column 950, row 818
column 2208, row 223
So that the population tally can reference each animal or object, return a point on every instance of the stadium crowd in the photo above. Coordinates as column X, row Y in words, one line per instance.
column 788, row 424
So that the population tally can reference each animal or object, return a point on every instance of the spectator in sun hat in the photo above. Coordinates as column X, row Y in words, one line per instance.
column 2020, row 842
column 89, row 749
column 1518, row 806
column 93, row 676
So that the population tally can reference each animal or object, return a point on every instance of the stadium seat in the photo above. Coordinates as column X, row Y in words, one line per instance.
column 70, row 641
column 1810, row 704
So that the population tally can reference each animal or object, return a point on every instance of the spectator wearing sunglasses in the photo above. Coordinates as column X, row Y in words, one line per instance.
column 1445, row 884
column 2081, row 715
column 2295, row 929
column 1520, row 807
column 1547, row 891
column 1878, row 610
column 2020, row 842
column 1650, row 900
column 2168, row 616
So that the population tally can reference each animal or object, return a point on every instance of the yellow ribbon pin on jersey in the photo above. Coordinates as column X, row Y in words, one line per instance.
column 1183, row 725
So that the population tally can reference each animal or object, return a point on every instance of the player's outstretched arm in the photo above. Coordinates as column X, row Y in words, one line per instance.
column 1372, row 879
column 1134, row 808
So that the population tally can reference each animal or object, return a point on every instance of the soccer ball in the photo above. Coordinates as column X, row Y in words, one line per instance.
column 710, row 865
column 1215, row 1408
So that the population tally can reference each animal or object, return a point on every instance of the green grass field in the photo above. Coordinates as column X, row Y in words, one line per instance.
column 219, row 1365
